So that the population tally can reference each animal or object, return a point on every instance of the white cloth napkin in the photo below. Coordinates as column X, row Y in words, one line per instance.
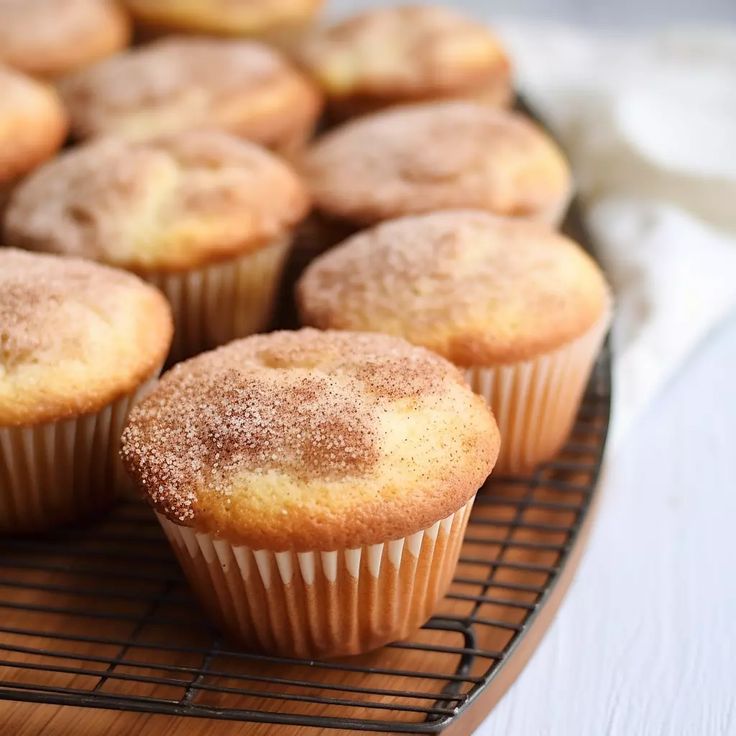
column 650, row 126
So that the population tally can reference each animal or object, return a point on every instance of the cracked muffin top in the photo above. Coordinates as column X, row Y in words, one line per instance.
column 166, row 204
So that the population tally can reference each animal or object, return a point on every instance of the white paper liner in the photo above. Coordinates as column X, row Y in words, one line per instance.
column 535, row 402
column 321, row 604
column 58, row 472
column 223, row 301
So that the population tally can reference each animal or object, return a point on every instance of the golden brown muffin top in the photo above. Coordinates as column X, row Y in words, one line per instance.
column 53, row 37
column 236, row 17
column 32, row 124
column 74, row 336
column 404, row 51
column 438, row 155
column 475, row 288
column 178, row 84
column 172, row 203
column 311, row 440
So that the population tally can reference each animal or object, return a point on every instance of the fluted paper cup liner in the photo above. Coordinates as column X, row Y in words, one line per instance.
column 321, row 604
column 57, row 472
column 223, row 301
column 535, row 402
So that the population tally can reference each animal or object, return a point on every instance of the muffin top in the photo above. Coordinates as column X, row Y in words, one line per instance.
column 409, row 51
column 439, row 155
column 32, row 124
column 311, row 440
column 74, row 336
column 176, row 202
column 53, row 37
column 475, row 288
column 178, row 84
column 223, row 16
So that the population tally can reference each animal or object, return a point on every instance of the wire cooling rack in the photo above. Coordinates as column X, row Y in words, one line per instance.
column 101, row 616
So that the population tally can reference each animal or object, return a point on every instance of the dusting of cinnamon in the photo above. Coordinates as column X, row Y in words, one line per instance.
column 178, row 201
column 438, row 155
column 185, row 83
column 310, row 408
column 74, row 335
column 474, row 287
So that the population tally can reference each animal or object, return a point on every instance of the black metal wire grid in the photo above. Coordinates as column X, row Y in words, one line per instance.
column 101, row 616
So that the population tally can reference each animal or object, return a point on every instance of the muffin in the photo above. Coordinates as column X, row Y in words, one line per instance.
column 521, row 309
column 32, row 126
column 271, row 19
column 178, row 84
column 315, row 486
column 203, row 215
column 389, row 56
column 437, row 155
column 79, row 344
column 427, row 157
column 48, row 38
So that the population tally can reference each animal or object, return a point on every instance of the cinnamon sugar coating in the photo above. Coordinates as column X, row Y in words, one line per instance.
column 439, row 155
column 175, row 84
column 168, row 204
column 475, row 288
column 74, row 336
column 33, row 124
column 49, row 38
column 406, row 53
column 311, row 440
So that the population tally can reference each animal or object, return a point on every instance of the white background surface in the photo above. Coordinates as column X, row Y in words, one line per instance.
column 645, row 642
column 624, row 13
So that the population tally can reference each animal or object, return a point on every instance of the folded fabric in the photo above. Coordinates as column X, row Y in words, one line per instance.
column 649, row 125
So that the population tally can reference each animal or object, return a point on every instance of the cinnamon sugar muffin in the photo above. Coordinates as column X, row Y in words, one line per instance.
column 409, row 53
column 49, row 38
column 426, row 157
column 203, row 215
column 32, row 125
column 271, row 19
column 315, row 486
column 79, row 343
column 521, row 309
column 178, row 84
column 438, row 155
